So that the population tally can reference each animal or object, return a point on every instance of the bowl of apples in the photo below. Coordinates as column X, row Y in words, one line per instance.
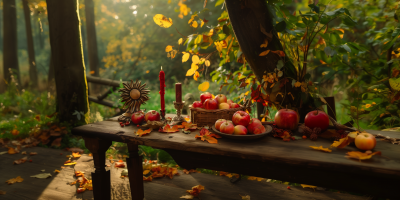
column 241, row 127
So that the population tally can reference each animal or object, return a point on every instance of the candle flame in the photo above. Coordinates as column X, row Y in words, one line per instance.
column 161, row 68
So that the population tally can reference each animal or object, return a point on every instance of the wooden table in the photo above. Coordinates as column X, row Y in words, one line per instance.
column 268, row 157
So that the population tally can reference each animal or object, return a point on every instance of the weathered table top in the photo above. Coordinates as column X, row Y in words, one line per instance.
column 270, row 157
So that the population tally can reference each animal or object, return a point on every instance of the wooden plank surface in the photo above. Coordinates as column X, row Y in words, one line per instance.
column 267, row 149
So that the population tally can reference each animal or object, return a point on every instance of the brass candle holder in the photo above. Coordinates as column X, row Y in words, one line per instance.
column 178, row 118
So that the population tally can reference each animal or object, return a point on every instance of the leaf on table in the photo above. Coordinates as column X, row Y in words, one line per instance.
column 23, row 153
column 71, row 163
column 360, row 155
column 308, row 186
column 206, row 135
column 15, row 180
column 146, row 172
column 11, row 150
column 20, row 161
column 140, row 132
column 56, row 171
column 32, row 153
column 79, row 173
column 168, row 129
column 341, row 143
column 188, row 126
column 147, row 178
column 188, row 196
column 2, row 192
column 119, row 165
column 76, row 154
column 320, row 148
column 190, row 171
column 42, row 175
column 195, row 191
column 252, row 178
column 171, row 172
column 247, row 197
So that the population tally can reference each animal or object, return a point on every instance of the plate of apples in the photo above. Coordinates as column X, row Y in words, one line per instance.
column 241, row 127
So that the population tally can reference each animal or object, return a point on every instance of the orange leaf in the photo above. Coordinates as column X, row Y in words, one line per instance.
column 322, row 62
column 150, row 178
column 79, row 173
column 119, row 164
column 15, row 180
column 196, row 75
column 11, row 150
column 15, row 132
column 341, row 143
column 141, row 132
column 279, row 53
column 264, row 53
column 32, row 153
column 321, row 149
column 206, row 135
column 20, row 161
column 195, row 190
column 169, row 129
column 360, row 155
column 76, row 154
column 265, row 44
column 80, row 190
column 188, row 126
column 91, row 72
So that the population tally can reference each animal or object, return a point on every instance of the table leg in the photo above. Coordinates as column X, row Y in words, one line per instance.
column 135, row 172
column 101, row 177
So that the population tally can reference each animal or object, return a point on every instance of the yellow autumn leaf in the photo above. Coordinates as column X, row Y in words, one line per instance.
column 264, row 53
column 185, row 57
column 190, row 72
column 265, row 44
column 218, row 45
column 195, row 59
column 207, row 62
column 196, row 75
column 360, row 155
column 194, row 24
column 202, row 23
column 180, row 41
column 194, row 67
column 325, row 73
column 320, row 148
column 168, row 48
column 204, row 86
column 308, row 186
column 297, row 84
column 162, row 21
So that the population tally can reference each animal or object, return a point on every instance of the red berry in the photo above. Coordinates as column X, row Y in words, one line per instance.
column 30, row 160
column 122, row 125
column 127, row 123
column 304, row 137
column 120, row 122
column 288, row 187
column 137, row 125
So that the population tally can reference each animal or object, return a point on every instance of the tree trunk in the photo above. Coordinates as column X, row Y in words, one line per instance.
column 67, row 59
column 92, row 42
column 10, row 57
column 50, row 76
column 31, row 51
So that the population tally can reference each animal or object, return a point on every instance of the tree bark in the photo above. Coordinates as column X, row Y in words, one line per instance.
column 67, row 59
column 92, row 42
column 31, row 51
column 10, row 57
column 50, row 76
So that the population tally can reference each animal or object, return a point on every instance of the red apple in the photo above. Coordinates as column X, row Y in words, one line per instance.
column 365, row 141
column 211, row 104
column 219, row 122
column 204, row 96
column 227, row 128
column 152, row 115
column 229, row 101
column 234, row 105
column 317, row 118
column 221, row 98
column 254, row 123
column 240, row 130
column 223, row 106
column 259, row 129
column 241, row 118
column 287, row 119
column 137, row 117
column 197, row 104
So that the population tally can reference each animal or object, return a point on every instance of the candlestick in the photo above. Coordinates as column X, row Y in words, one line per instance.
column 162, row 92
column 178, row 118
column 178, row 92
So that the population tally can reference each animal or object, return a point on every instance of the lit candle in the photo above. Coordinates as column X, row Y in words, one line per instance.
column 178, row 92
column 162, row 92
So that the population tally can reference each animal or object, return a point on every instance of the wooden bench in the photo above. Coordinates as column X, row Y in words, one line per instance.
column 292, row 161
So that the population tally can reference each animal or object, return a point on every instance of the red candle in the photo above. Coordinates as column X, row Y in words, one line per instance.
column 178, row 92
column 162, row 91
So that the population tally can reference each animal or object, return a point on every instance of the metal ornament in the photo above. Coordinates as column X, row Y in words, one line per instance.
column 133, row 94
column 178, row 118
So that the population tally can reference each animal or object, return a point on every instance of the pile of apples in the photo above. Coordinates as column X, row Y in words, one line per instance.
column 241, row 124
column 139, row 117
column 219, row 102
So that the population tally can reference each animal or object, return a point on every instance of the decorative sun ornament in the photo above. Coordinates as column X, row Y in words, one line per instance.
column 134, row 95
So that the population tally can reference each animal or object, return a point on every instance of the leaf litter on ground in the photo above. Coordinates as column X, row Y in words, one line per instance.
column 15, row 180
column 42, row 175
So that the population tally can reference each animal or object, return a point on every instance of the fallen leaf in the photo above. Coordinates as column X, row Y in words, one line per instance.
column 119, row 165
column 88, row 185
column 188, row 196
column 360, row 155
column 11, row 150
column 79, row 173
column 321, row 149
column 308, row 186
column 146, row 172
column 252, row 178
column 206, row 135
column 42, row 175
column 76, row 154
column 195, row 191
column 140, row 132
column 80, row 190
column 20, row 161
column 247, row 197
column 341, row 143
column 188, row 126
column 23, row 153
column 3, row 152
column 15, row 180
column 56, row 171
column 168, row 129
column 147, row 178
column 32, row 153
column 2, row 192
column 162, row 21
column 71, row 163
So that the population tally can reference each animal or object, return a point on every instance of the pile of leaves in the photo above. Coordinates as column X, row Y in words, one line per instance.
column 159, row 171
